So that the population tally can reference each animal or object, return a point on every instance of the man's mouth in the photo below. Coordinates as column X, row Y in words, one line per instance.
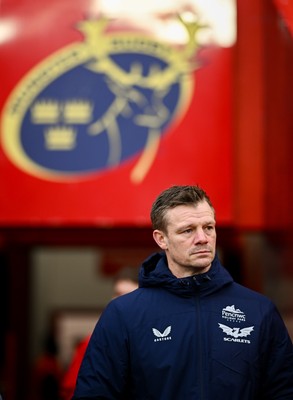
column 202, row 251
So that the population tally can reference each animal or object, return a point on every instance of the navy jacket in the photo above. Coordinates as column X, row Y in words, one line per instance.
column 203, row 338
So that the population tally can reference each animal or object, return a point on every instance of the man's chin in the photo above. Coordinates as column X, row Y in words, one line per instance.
column 202, row 257
column 203, row 262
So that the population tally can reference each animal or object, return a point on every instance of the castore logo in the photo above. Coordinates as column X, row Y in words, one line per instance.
column 162, row 336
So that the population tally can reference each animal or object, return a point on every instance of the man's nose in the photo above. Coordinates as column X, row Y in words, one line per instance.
column 200, row 236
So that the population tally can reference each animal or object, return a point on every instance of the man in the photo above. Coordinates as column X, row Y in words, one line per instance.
column 189, row 331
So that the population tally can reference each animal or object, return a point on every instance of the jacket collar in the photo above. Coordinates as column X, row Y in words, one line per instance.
column 155, row 273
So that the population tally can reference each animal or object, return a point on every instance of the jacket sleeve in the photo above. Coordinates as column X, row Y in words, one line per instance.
column 277, row 359
column 104, row 369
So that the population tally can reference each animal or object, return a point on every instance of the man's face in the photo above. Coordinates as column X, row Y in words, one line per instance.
column 190, row 239
column 123, row 286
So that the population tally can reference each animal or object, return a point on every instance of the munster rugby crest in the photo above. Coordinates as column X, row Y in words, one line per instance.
column 98, row 103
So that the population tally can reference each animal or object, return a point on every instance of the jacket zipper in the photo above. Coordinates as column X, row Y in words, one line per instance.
column 199, row 343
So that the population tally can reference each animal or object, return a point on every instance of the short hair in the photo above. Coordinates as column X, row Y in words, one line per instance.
column 173, row 197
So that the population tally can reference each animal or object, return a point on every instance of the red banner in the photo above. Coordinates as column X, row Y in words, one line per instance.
column 100, row 114
column 286, row 10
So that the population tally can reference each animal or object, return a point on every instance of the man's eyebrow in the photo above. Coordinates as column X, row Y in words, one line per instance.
column 191, row 224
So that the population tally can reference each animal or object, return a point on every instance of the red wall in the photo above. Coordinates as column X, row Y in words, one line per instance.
column 263, row 118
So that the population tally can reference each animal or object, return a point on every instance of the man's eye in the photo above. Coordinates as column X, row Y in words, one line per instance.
column 188, row 230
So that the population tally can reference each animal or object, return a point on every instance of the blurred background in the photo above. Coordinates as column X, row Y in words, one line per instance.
column 103, row 105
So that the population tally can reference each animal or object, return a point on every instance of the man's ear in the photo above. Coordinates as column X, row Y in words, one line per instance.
column 160, row 239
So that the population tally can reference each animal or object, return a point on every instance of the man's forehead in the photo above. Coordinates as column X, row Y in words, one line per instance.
column 201, row 210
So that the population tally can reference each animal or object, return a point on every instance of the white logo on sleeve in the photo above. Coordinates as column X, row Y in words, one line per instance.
column 236, row 333
column 160, row 336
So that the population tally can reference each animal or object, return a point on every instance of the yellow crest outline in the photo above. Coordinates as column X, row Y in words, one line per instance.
column 79, row 53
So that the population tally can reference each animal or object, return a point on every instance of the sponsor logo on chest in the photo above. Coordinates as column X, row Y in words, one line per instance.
column 231, row 332
column 162, row 336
